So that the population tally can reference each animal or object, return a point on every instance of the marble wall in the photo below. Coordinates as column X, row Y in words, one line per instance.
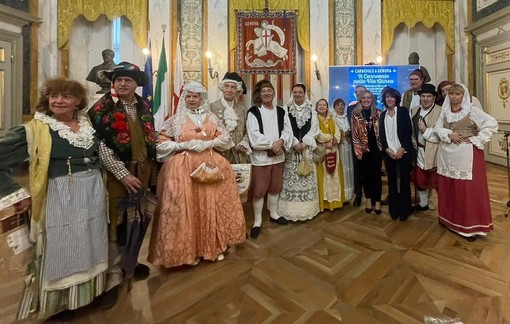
column 217, row 44
column 319, row 45
column 371, row 30
column 96, row 36
column 429, row 43
column 90, row 38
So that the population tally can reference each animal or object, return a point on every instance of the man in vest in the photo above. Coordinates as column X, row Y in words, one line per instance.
column 410, row 98
column 233, row 115
column 424, row 119
column 270, row 133
column 125, row 127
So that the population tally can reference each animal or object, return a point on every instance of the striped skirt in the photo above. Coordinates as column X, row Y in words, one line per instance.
column 72, row 244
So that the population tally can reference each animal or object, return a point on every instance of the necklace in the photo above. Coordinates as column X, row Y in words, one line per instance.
column 197, row 118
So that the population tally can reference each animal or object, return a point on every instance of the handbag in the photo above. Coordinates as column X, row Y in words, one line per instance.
column 318, row 153
column 304, row 167
column 207, row 172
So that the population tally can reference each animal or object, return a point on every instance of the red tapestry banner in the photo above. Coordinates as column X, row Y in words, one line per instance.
column 266, row 42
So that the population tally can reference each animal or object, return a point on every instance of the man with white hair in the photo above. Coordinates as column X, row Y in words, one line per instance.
column 233, row 115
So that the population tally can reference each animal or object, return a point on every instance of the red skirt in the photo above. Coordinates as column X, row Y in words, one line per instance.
column 464, row 205
column 424, row 179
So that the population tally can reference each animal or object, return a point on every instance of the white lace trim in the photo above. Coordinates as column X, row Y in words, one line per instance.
column 301, row 113
column 229, row 115
column 298, row 210
column 455, row 174
column 83, row 138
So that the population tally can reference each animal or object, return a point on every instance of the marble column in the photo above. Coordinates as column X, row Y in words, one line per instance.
column 217, row 44
column 49, row 58
column 371, row 30
column 319, row 45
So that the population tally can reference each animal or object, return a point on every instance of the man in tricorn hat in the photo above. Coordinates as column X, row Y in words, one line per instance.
column 125, row 126
column 424, row 119
column 233, row 115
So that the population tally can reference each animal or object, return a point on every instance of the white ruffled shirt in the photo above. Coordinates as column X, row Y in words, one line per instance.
column 260, row 143
column 456, row 160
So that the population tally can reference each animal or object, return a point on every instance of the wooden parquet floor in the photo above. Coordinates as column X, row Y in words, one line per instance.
column 341, row 267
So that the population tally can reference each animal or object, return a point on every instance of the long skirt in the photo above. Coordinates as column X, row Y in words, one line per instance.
column 71, row 244
column 464, row 205
column 195, row 220
column 299, row 200
column 348, row 168
column 330, row 185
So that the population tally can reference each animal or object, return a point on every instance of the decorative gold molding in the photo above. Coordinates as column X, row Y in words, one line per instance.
column 135, row 10
column 410, row 12
column 498, row 57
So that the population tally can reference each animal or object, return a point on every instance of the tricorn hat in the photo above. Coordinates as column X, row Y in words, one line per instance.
column 126, row 69
column 234, row 77
column 428, row 88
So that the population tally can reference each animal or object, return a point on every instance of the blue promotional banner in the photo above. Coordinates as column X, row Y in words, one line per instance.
column 344, row 79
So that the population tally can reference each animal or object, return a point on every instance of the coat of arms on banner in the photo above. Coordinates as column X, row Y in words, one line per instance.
column 266, row 42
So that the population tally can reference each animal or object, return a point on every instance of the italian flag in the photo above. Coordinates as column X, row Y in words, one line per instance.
column 160, row 111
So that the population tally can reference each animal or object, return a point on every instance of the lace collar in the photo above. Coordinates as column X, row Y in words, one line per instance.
column 84, row 138
column 453, row 117
column 301, row 113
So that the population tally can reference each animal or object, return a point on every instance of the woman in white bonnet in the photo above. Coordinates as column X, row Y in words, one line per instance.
column 194, row 220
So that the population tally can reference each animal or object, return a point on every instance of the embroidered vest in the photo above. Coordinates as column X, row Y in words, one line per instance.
column 299, row 133
column 464, row 126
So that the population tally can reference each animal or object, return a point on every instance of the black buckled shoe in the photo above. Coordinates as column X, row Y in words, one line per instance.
column 64, row 316
column 255, row 231
column 357, row 201
column 108, row 299
column 420, row 208
column 280, row 220
column 141, row 272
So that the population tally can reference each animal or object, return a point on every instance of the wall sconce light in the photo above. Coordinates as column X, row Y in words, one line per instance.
column 317, row 72
column 213, row 74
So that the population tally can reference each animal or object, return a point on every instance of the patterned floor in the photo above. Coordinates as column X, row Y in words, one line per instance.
column 345, row 266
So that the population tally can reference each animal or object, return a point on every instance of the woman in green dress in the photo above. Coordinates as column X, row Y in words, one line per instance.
column 67, row 201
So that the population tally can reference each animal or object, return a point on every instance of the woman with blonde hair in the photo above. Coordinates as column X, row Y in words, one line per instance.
column 463, row 194
column 367, row 148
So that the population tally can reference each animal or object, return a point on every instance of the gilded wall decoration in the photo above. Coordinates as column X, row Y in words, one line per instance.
column 191, row 23
column 344, row 32
column 504, row 91
column 498, row 57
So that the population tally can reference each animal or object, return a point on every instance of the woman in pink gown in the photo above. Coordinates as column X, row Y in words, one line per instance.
column 194, row 219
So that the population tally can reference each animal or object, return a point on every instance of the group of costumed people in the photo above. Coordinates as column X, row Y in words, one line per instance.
column 302, row 159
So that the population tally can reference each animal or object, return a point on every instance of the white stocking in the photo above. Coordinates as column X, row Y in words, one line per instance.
column 257, row 211
column 424, row 197
column 272, row 205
